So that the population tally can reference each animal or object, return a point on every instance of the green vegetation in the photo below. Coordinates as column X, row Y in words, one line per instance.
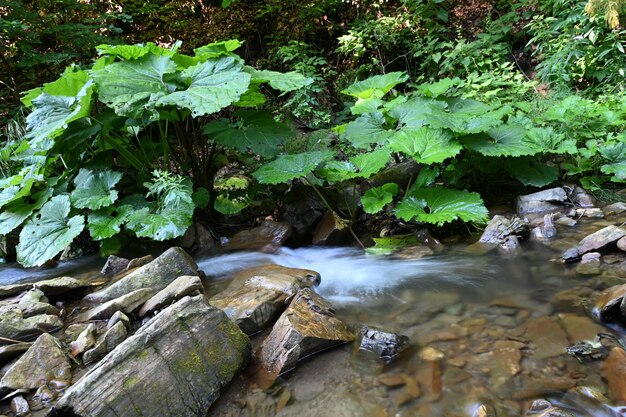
column 134, row 142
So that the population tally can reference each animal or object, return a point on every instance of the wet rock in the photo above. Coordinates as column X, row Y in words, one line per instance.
column 307, row 326
column 257, row 296
column 579, row 328
column 139, row 262
column 511, row 245
column 106, row 343
column 114, row 265
column 172, row 264
column 387, row 346
column 589, row 264
column 566, row 221
column 542, row 385
column 119, row 317
column 615, row 208
column 335, row 402
column 580, row 197
column 85, row 341
column 193, row 348
column 592, row 350
column 543, row 408
column 269, row 234
column 547, row 337
column 197, row 240
column 429, row 377
column 614, row 368
column 9, row 352
column 546, row 231
column 400, row 174
column 126, row 304
column 180, row 287
column 500, row 227
column 19, row 406
column 331, row 230
column 62, row 285
column 594, row 213
column 14, row 289
column 43, row 361
column 13, row 324
column 34, row 303
column 541, row 202
column 304, row 209
column 599, row 241
column 610, row 305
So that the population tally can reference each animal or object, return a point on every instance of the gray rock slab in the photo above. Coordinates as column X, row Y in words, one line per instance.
column 13, row 289
column 595, row 242
column 106, row 343
column 500, row 227
column 126, row 304
column 175, row 365
column 541, row 202
column 13, row 324
column 157, row 274
column 43, row 361
column 61, row 285
column 180, row 287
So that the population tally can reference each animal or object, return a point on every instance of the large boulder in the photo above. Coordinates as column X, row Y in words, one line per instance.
column 43, row 361
column 157, row 274
column 599, row 241
column 257, row 296
column 175, row 365
column 308, row 326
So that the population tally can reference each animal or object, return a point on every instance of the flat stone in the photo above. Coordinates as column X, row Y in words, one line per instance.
column 593, row 213
column 541, row 202
column 579, row 328
column 331, row 230
column 308, row 326
column 566, row 221
column 615, row 208
column 500, row 227
column 43, row 361
column 114, row 265
column 117, row 317
column 598, row 241
column 9, row 352
column 180, row 287
column 126, row 304
column 589, row 264
column 172, row 264
column 13, row 324
column 62, row 285
column 34, row 303
column 14, row 289
column 387, row 346
column 257, row 296
column 614, row 368
column 547, row 337
column 85, row 341
column 106, row 343
column 139, row 262
column 269, row 234
column 175, row 365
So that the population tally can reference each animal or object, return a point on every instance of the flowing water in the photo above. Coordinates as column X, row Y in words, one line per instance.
column 497, row 331
column 485, row 330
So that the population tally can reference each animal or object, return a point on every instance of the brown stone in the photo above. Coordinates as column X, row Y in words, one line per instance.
column 615, row 372
column 331, row 230
column 609, row 301
column 579, row 328
column 268, row 235
column 572, row 300
column 547, row 337
column 392, row 380
column 307, row 326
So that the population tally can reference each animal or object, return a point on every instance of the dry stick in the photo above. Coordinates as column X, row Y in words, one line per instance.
column 6, row 339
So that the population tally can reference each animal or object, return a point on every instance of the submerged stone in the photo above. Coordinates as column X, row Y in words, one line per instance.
column 175, row 365
column 615, row 372
column 387, row 346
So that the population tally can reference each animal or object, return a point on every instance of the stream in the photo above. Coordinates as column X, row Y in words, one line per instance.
column 487, row 333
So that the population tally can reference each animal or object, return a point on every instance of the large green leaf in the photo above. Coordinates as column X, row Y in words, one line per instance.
column 376, row 86
column 163, row 225
column 547, row 140
column 16, row 213
column 442, row 205
column 217, row 49
column 133, row 87
column 256, row 130
column 367, row 130
column 375, row 199
column 103, row 225
column 361, row 166
column 425, row 145
column 58, row 104
column 530, row 171
column 417, row 111
column 212, row 86
column 288, row 167
column 48, row 232
column 281, row 81
column 505, row 140
column 230, row 205
column 133, row 51
column 95, row 190
column 618, row 169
